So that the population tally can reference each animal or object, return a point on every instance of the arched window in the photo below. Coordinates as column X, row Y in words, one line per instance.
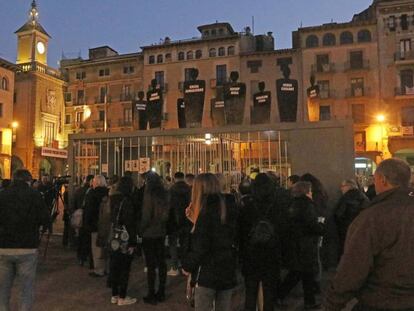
column 160, row 59
column 168, row 57
column 221, row 51
column 151, row 59
column 190, row 55
column 347, row 37
column 212, row 52
column 181, row 56
column 364, row 36
column 329, row 39
column 4, row 84
column 312, row 41
column 231, row 50
column 198, row 54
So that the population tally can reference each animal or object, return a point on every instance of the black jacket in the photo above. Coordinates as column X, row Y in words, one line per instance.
column 93, row 201
column 22, row 213
column 212, row 258
column 127, row 215
column 79, row 197
column 304, row 233
column 259, row 262
column 180, row 196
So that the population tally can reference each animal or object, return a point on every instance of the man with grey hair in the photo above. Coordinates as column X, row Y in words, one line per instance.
column 377, row 266
column 349, row 206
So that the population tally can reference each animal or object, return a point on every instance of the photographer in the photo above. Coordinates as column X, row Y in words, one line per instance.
column 47, row 190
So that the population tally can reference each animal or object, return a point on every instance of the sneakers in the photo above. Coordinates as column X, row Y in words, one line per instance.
column 114, row 299
column 126, row 301
column 173, row 272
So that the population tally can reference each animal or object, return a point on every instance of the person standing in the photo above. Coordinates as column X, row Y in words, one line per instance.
column 371, row 193
column 260, row 260
column 22, row 213
column 93, row 201
column 153, row 230
column 377, row 266
column 352, row 202
column 123, row 215
column 212, row 258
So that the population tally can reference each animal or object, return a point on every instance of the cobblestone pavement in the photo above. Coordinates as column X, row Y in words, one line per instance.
column 62, row 285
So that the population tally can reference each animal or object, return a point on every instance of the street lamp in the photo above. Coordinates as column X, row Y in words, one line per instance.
column 380, row 118
column 14, row 126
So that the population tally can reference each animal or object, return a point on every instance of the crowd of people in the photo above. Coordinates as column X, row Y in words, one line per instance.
column 261, row 235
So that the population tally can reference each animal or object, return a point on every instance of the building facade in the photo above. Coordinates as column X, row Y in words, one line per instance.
column 40, row 140
column 7, row 127
column 361, row 70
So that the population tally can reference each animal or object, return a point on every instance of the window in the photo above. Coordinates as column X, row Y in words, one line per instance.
column 347, row 37
column 312, row 41
column 159, row 76
column 128, row 115
column 356, row 59
column 323, row 89
column 160, row 59
column 213, row 32
column 357, row 87
column 103, row 92
column 81, row 96
column 221, row 51
column 407, row 81
column 358, row 113
column 68, row 118
column 198, row 54
column 407, row 116
column 151, row 59
column 1, row 110
column 404, row 22
column 104, row 72
column 79, row 117
column 101, row 115
column 68, row 97
column 231, row 50
column 126, row 92
column 80, row 75
column 324, row 113
column 4, row 83
column 391, row 23
column 212, row 52
column 181, row 56
column 190, row 55
column 405, row 47
column 49, row 132
column 254, row 65
column 221, row 31
column 364, row 36
column 129, row 69
column 168, row 57
column 206, row 33
column 322, row 63
column 329, row 39
column 221, row 74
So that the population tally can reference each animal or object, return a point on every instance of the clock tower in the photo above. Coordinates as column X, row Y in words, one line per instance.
column 32, row 39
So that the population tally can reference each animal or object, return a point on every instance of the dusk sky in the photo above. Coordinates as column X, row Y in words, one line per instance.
column 125, row 25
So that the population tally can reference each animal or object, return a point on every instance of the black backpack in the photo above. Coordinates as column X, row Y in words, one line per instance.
column 263, row 232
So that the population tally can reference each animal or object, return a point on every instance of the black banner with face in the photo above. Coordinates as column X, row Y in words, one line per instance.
column 287, row 98
column 181, row 113
column 154, row 108
column 139, row 114
column 260, row 113
column 194, row 93
column 234, row 99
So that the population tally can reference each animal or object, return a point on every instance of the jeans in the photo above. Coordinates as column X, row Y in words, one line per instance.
column 23, row 268
column 252, row 288
column 98, row 256
column 154, row 250
column 119, row 273
column 207, row 299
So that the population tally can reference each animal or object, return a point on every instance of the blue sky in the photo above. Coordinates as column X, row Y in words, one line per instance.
column 125, row 25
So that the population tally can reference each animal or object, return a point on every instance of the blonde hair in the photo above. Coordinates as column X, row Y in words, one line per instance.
column 204, row 185
column 100, row 180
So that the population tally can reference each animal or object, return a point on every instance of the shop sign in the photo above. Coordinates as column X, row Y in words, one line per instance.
column 54, row 153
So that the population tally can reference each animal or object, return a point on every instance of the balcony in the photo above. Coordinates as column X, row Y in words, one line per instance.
column 404, row 58
column 81, row 101
column 35, row 66
column 126, row 97
column 101, row 99
column 124, row 123
column 357, row 92
column 323, row 68
column 357, row 65
column 406, row 92
column 325, row 94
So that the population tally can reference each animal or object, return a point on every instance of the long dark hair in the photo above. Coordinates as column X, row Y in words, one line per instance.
column 319, row 194
column 125, row 186
column 155, row 195
column 263, row 189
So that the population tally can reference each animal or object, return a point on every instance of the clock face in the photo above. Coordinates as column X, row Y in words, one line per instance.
column 40, row 47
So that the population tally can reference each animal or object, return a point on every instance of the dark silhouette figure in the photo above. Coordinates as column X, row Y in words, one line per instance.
column 194, row 92
column 313, row 90
column 139, row 114
column 217, row 109
column 287, row 96
column 154, row 105
column 181, row 113
column 234, row 99
column 260, row 112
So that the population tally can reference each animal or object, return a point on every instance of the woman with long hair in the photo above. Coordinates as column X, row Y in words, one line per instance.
column 153, row 230
column 212, row 257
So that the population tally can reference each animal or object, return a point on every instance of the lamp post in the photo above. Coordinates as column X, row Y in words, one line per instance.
column 14, row 126
column 381, row 119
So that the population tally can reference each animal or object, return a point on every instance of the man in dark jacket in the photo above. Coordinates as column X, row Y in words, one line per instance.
column 179, row 226
column 377, row 266
column 22, row 213
column 349, row 206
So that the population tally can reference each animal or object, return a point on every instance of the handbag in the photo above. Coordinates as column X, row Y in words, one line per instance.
column 119, row 235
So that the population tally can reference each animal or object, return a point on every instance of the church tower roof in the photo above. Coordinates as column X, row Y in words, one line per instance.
column 33, row 21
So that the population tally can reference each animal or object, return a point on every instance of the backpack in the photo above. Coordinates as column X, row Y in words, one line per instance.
column 263, row 232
